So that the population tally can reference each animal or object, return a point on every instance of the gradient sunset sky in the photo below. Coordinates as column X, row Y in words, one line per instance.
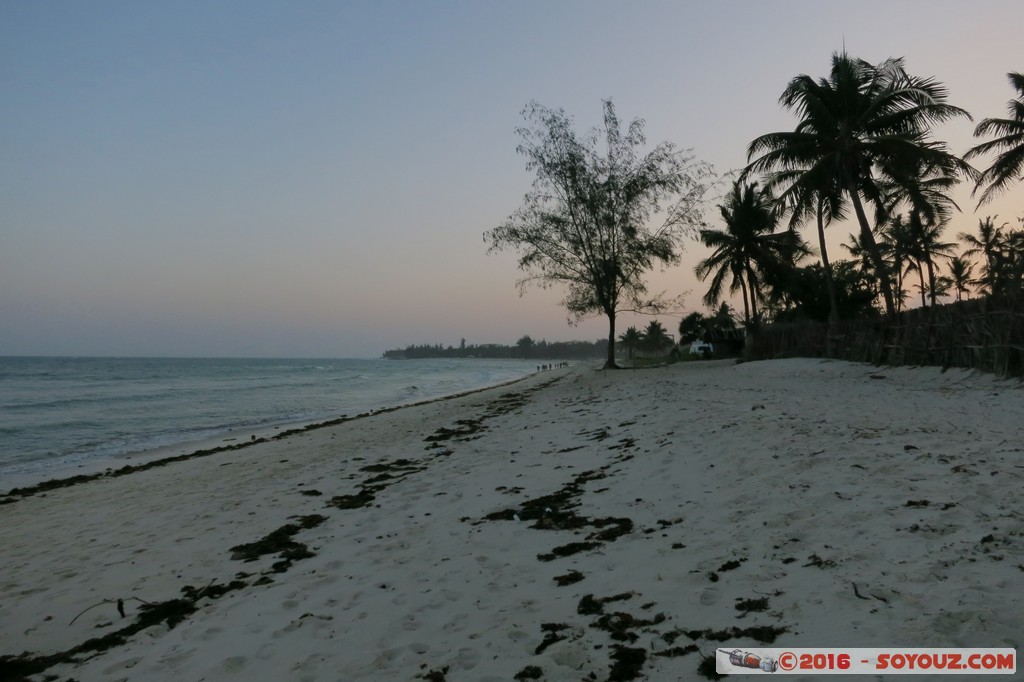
column 312, row 179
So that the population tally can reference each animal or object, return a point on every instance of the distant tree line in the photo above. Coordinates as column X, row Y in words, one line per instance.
column 524, row 349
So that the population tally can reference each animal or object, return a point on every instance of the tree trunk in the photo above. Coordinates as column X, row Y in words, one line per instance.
column 868, row 241
column 752, row 287
column 920, row 279
column 898, row 271
column 833, row 304
column 609, row 362
column 746, row 306
column 931, row 278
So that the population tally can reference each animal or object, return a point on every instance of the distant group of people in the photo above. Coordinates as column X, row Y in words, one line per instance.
column 544, row 368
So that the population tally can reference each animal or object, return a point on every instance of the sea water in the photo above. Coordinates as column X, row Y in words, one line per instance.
column 58, row 413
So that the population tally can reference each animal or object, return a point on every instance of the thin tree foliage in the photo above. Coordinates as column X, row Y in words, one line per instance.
column 601, row 213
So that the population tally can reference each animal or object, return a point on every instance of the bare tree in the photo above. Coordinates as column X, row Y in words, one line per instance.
column 586, row 223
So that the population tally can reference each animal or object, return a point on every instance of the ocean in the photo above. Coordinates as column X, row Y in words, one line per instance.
column 57, row 414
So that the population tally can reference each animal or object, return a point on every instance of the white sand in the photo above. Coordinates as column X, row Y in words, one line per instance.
column 799, row 470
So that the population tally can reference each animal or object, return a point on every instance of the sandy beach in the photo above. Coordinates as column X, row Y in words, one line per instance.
column 576, row 525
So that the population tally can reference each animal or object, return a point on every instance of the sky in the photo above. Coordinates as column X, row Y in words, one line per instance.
column 313, row 179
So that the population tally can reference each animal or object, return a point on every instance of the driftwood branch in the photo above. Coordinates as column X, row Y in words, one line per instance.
column 200, row 592
column 119, row 602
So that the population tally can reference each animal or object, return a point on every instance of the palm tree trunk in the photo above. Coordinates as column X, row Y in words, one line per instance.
column 931, row 276
column 899, row 275
column 746, row 307
column 752, row 286
column 609, row 362
column 869, row 243
column 920, row 279
column 833, row 314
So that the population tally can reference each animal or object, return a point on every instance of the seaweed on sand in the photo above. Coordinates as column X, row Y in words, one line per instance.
column 765, row 634
column 530, row 672
column 280, row 542
column 557, row 511
column 567, row 550
column 589, row 605
column 569, row 578
column 708, row 669
column 628, row 662
column 749, row 605
column 388, row 473
column 551, row 636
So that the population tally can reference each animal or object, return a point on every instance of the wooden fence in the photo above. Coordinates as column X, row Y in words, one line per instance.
column 985, row 334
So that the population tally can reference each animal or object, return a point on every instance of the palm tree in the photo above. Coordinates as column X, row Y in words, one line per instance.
column 861, row 126
column 915, row 246
column 631, row 341
column 693, row 327
column 723, row 320
column 748, row 249
column 930, row 244
column 812, row 194
column 895, row 260
column 898, row 252
column 1014, row 260
column 940, row 286
column 930, row 208
column 960, row 273
column 655, row 337
column 1009, row 164
column 857, row 250
column 988, row 243
column 928, row 240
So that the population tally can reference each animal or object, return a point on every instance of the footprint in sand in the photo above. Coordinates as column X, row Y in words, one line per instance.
column 419, row 648
column 518, row 635
column 710, row 596
column 121, row 666
column 572, row 655
column 468, row 659
column 386, row 656
column 179, row 656
column 211, row 632
column 266, row 652
column 233, row 664
column 456, row 624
